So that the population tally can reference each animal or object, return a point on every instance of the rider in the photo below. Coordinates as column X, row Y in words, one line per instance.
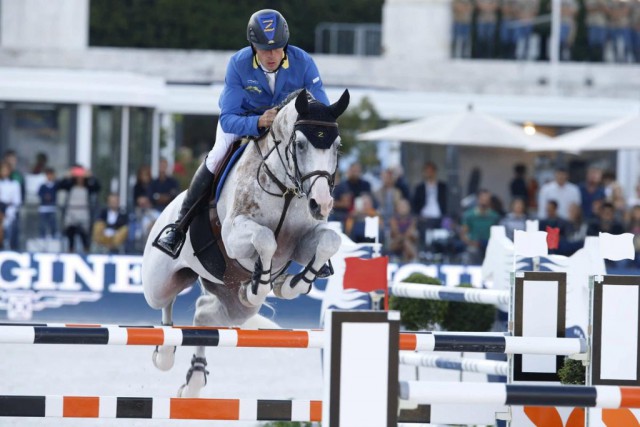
column 258, row 78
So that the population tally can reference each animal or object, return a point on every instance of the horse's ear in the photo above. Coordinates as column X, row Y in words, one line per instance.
column 338, row 108
column 302, row 102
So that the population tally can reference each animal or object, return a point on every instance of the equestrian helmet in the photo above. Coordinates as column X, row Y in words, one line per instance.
column 267, row 30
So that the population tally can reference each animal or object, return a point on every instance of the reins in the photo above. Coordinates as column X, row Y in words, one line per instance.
column 297, row 179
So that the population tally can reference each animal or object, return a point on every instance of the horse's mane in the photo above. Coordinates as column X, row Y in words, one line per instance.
column 292, row 96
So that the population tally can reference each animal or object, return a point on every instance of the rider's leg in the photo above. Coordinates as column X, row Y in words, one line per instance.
column 173, row 236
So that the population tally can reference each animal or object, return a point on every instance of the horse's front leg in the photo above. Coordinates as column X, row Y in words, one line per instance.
column 316, row 247
column 244, row 238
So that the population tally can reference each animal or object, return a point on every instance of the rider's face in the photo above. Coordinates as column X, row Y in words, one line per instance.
column 270, row 59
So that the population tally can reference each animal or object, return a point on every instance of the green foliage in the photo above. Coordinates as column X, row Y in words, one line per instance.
column 419, row 314
column 466, row 317
column 572, row 372
column 213, row 24
column 361, row 118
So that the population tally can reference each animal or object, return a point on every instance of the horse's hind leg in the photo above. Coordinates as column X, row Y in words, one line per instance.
column 161, row 286
column 164, row 355
column 222, row 309
column 197, row 373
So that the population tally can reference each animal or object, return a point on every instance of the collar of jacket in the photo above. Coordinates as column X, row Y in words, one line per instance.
column 285, row 63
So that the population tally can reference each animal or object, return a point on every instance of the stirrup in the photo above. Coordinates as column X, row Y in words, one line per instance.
column 173, row 252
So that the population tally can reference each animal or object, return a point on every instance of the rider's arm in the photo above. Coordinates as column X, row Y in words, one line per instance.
column 313, row 82
column 233, row 118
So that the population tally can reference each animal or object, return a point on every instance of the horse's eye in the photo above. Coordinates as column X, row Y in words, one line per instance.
column 301, row 145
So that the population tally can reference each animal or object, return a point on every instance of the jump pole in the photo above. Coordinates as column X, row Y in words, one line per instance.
column 279, row 338
column 442, row 293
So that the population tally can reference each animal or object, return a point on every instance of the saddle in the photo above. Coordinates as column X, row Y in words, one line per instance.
column 205, row 229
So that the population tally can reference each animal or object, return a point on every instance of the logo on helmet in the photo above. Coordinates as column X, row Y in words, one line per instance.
column 268, row 25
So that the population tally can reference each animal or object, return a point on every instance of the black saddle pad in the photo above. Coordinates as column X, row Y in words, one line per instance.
column 204, row 241
column 205, row 245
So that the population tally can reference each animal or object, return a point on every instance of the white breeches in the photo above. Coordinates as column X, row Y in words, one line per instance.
column 220, row 148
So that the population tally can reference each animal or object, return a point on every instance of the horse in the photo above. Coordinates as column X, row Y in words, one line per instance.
column 271, row 210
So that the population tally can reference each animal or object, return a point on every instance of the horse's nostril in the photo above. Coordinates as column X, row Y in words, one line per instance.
column 313, row 205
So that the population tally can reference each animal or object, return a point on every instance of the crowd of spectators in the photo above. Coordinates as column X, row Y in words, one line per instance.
column 70, row 215
column 505, row 29
column 416, row 225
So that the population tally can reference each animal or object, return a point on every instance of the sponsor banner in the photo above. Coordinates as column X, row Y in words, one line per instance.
column 48, row 287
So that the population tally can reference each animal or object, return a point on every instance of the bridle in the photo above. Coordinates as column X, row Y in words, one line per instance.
column 296, row 178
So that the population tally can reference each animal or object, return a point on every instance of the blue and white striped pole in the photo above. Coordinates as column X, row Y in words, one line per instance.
column 443, row 293
column 481, row 366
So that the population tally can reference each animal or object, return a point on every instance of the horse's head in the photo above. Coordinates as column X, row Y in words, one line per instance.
column 313, row 145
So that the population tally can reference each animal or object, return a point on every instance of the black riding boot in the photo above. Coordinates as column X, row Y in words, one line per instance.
column 172, row 237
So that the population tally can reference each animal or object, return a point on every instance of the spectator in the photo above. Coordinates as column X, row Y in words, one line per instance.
column 346, row 191
column 620, row 30
column 143, row 182
column 401, row 183
column 606, row 222
column 552, row 219
column 144, row 216
column 11, row 158
column 387, row 197
column 48, row 209
column 476, row 226
column 461, row 40
column 81, row 188
column 11, row 199
column 543, row 30
column 635, row 31
column 568, row 10
column 497, row 205
column 486, row 27
column 518, row 188
column 633, row 226
column 40, row 166
column 526, row 12
column 429, row 202
column 614, row 193
column 590, row 191
column 635, row 199
column 111, row 228
column 404, row 233
column 508, row 28
column 576, row 231
column 561, row 191
column 596, row 21
column 355, row 223
column 185, row 166
column 516, row 219
column 164, row 188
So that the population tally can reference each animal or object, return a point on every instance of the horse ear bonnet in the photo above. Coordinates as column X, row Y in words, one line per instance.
column 321, row 137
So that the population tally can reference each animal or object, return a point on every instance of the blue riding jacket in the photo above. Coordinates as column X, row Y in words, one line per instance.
column 246, row 94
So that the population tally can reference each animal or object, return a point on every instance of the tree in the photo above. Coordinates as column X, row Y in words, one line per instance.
column 213, row 24
column 356, row 120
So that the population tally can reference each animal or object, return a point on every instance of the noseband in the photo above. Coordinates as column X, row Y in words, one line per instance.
column 297, row 179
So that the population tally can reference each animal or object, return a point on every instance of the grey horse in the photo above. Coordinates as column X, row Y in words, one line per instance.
column 272, row 209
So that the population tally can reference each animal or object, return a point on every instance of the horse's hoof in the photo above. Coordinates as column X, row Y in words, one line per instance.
column 163, row 357
column 250, row 299
column 192, row 389
column 291, row 288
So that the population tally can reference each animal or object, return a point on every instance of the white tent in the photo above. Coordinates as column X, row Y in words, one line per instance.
column 469, row 128
column 619, row 134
